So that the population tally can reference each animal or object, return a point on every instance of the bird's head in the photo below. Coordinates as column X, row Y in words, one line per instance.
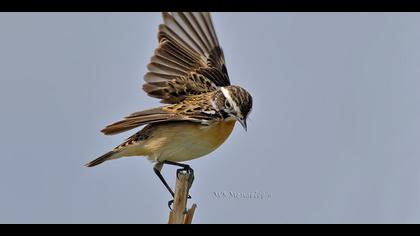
column 237, row 103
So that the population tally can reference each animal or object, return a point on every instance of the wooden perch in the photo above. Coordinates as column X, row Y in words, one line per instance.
column 178, row 214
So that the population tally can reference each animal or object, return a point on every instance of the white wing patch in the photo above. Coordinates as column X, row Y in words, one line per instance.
column 212, row 112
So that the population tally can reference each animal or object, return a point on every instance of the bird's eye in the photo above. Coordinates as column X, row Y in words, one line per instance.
column 227, row 104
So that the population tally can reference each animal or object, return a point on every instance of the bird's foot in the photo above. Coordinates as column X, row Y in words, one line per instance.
column 186, row 170
column 190, row 171
column 170, row 203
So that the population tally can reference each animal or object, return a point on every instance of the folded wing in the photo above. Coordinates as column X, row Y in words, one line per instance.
column 193, row 109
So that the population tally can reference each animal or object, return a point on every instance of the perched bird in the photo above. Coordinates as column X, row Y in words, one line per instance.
column 188, row 73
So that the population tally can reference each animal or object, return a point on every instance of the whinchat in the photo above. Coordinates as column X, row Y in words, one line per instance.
column 188, row 73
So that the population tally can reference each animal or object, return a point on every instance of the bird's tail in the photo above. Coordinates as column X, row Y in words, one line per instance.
column 106, row 157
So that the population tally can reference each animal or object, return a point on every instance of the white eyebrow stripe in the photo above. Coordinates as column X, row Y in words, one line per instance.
column 226, row 93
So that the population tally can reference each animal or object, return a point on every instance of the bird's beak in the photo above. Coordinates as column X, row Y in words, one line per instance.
column 243, row 123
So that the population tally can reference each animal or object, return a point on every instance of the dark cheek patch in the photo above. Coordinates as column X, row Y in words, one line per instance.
column 142, row 137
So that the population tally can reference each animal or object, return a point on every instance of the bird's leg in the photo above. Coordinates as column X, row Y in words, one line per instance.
column 157, row 168
column 185, row 168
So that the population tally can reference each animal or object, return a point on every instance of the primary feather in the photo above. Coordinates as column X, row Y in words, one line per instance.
column 188, row 61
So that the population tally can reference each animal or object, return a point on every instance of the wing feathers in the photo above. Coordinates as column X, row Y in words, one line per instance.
column 205, row 16
column 153, row 116
column 187, row 45
column 180, row 30
column 158, row 59
column 167, row 35
column 137, row 119
column 164, row 69
column 188, row 65
column 194, row 32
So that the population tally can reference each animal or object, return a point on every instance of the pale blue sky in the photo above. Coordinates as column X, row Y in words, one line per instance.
column 333, row 137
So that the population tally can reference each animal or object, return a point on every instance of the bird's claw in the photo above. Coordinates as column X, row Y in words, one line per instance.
column 187, row 170
column 170, row 203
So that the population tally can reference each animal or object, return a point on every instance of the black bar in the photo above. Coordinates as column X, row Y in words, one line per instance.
column 210, row 5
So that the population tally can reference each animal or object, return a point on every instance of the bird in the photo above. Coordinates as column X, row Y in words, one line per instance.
column 188, row 73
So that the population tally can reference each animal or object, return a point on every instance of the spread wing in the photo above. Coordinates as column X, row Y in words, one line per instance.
column 188, row 61
column 194, row 109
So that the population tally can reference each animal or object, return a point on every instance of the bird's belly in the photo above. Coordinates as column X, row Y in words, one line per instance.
column 185, row 141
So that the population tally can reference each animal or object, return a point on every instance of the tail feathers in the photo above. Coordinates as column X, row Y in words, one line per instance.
column 107, row 156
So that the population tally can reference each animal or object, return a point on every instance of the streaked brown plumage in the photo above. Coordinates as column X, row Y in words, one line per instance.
column 187, row 73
